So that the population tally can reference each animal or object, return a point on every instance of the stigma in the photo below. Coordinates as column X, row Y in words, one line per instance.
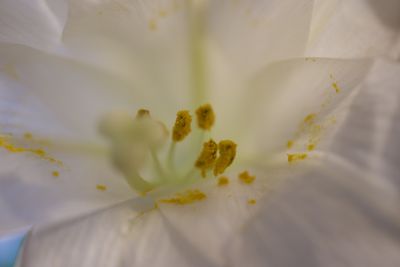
column 138, row 147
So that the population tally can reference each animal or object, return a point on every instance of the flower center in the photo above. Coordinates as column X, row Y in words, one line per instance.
column 139, row 143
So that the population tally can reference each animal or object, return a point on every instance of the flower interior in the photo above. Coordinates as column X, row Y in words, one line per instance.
column 139, row 151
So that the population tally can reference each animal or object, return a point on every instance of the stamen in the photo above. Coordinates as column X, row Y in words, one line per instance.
column 227, row 153
column 182, row 125
column 205, row 117
column 207, row 157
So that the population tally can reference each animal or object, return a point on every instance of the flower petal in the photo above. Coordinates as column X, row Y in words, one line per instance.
column 75, row 95
column 344, row 211
column 34, row 189
column 351, row 29
column 252, row 34
column 118, row 236
column 368, row 138
column 35, row 23
column 328, row 216
column 277, row 101
column 142, row 42
column 136, row 233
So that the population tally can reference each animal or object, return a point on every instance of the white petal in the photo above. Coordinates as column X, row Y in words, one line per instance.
column 172, row 235
column 142, row 42
column 349, row 29
column 118, row 236
column 275, row 103
column 34, row 190
column 73, row 94
column 35, row 23
column 328, row 216
column 252, row 34
column 208, row 224
column 369, row 137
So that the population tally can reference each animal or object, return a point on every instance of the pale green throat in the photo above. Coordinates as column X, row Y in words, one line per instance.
column 133, row 139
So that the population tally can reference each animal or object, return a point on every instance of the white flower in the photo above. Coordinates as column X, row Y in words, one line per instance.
column 307, row 89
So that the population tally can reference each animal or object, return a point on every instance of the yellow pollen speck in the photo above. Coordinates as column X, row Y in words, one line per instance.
column 55, row 173
column 205, row 117
column 311, row 147
column 290, row 144
column 207, row 157
column 162, row 13
column 28, row 135
column 309, row 119
column 336, row 87
column 188, row 197
column 296, row 157
column 101, row 187
column 227, row 153
column 152, row 25
column 223, row 181
column 251, row 201
column 246, row 178
column 182, row 125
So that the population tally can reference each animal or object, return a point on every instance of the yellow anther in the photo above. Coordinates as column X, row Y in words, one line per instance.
column 296, row 157
column 142, row 113
column 187, row 197
column 55, row 173
column 223, row 181
column 182, row 125
column 227, row 153
column 246, row 178
column 207, row 157
column 205, row 117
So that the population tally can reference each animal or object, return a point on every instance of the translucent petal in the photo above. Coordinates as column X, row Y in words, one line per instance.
column 117, row 236
column 251, row 34
column 73, row 94
column 350, row 29
column 170, row 235
column 368, row 138
column 328, row 216
column 276, row 102
column 344, row 209
column 35, row 23
column 34, row 190
column 144, row 43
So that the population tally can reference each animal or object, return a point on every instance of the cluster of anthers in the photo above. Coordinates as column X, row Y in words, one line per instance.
column 135, row 139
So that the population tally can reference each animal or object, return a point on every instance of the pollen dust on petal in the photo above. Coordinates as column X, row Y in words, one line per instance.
column 251, row 201
column 313, row 126
column 296, row 157
column 101, row 187
column 7, row 145
column 246, row 178
column 223, row 181
column 185, row 198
